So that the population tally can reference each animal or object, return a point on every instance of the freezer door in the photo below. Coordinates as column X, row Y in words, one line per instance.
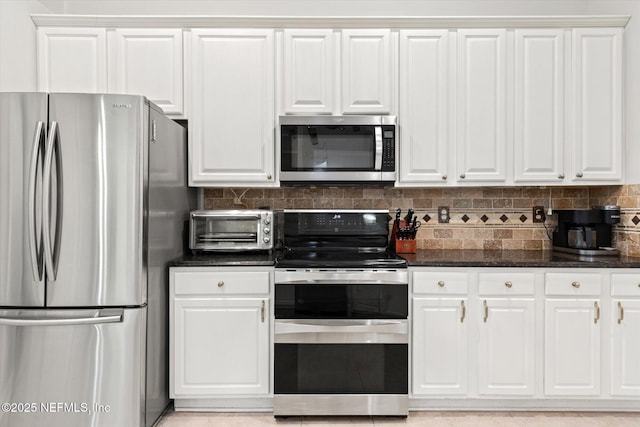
column 95, row 184
column 65, row 368
column 23, row 119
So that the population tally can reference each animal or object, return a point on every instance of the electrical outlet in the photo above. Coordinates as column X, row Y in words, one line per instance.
column 443, row 214
column 538, row 214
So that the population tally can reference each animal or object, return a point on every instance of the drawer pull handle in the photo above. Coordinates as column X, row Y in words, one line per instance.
column 220, row 284
column 575, row 284
column 441, row 283
column 621, row 316
column 597, row 311
column 486, row 311
column 464, row 311
column 262, row 311
column 508, row 284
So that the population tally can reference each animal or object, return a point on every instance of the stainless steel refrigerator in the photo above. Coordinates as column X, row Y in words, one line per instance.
column 93, row 200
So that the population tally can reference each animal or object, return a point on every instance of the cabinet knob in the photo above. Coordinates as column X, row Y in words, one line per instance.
column 575, row 284
column 269, row 176
column 561, row 176
column 462, row 176
column 508, row 284
column 441, row 283
column 220, row 284
column 579, row 175
column 444, row 177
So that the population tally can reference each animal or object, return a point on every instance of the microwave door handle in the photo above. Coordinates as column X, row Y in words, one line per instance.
column 378, row 159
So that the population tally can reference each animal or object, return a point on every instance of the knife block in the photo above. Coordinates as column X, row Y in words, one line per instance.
column 407, row 246
column 402, row 246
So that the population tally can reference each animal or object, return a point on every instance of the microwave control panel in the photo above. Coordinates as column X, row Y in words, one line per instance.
column 388, row 149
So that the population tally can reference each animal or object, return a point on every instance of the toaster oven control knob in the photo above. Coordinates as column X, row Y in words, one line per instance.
column 266, row 240
column 267, row 230
column 267, row 221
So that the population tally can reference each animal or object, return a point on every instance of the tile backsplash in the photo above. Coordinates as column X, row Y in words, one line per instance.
column 480, row 218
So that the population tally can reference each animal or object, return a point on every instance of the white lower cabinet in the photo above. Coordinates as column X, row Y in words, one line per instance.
column 625, row 335
column 219, row 332
column 440, row 337
column 573, row 328
column 492, row 345
column 440, row 346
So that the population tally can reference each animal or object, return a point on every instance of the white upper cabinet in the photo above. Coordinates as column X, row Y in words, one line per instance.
column 597, row 104
column 337, row 71
column 424, row 106
column 539, row 125
column 481, row 106
column 308, row 71
column 231, row 131
column 128, row 61
column 366, row 71
column 72, row 60
column 148, row 62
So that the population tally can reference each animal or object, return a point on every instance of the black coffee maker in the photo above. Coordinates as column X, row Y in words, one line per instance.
column 586, row 231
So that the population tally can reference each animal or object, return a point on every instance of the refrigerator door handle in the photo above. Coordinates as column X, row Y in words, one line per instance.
column 66, row 321
column 35, row 228
column 46, row 201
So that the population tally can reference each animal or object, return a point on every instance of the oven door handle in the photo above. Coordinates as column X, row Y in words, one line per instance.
column 341, row 282
column 341, row 331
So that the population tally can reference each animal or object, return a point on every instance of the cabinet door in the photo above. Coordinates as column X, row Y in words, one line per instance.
column 597, row 97
column 539, row 105
column 440, row 346
column 308, row 71
column 231, row 131
column 572, row 347
column 507, row 347
column 424, row 84
column 149, row 62
column 72, row 60
column 220, row 347
column 625, row 351
column 366, row 71
column 481, row 102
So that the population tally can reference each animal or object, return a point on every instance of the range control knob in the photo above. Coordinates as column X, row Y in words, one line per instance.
column 267, row 231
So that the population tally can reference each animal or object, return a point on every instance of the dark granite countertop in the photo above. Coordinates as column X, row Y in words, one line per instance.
column 239, row 259
column 426, row 258
column 510, row 258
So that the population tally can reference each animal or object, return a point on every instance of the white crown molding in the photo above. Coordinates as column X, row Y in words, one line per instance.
column 166, row 21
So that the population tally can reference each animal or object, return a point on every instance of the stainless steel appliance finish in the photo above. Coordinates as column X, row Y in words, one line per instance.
column 231, row 230
column 97, row 196
column 337, row 149
column 586, row 234
column 341, row 327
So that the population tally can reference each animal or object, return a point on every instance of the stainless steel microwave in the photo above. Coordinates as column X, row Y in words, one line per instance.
column 231, row 230
column 337, row 149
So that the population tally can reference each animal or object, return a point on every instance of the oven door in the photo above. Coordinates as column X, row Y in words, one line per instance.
column 306, row 294
column 341, row 367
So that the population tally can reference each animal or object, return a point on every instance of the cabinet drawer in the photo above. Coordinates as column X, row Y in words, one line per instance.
column 506, row 284
column 625, row 285
column 570, row 284
column 221, row 282
column 440, row 283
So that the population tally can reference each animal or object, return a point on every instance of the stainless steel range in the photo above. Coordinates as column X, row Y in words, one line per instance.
column 341, row 307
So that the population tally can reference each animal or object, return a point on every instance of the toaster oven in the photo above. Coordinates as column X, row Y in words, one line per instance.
column 230, row 230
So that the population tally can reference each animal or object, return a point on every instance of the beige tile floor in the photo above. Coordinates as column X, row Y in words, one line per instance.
column 427, row 419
